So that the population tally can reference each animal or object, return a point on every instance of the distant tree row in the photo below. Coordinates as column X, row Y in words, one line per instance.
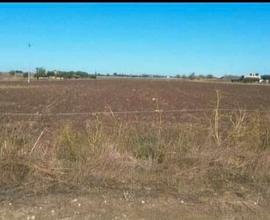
column 265, row 77
column 133, row 75
column 14, row 72
column 194, row 76
column 41, row 72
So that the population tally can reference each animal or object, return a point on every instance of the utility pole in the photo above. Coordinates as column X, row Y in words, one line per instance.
column 29, row 46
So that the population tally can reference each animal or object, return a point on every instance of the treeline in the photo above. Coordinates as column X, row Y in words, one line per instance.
column 131, row 75
column 265, row 77
column 190, row 76
column 17, row 72
column 194, row 76
column 42, row 73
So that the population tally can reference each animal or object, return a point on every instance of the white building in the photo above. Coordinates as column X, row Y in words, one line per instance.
column 253, row 76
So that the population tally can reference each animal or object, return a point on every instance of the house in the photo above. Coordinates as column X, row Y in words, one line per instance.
column 252, row 77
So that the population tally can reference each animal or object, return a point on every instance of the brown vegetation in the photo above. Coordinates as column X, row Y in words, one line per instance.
column 224, row 155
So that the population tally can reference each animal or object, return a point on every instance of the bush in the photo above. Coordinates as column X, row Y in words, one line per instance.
column 25, row 75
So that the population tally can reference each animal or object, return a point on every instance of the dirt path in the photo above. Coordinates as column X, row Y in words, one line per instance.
column 117, row 204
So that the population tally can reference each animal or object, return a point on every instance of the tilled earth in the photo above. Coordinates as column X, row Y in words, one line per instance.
column 119, row 95
column 51, row 102
column 127, row 95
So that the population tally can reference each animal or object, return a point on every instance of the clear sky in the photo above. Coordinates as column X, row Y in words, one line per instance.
column 135, row 38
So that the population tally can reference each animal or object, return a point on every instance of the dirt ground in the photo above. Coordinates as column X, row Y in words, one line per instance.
column 126, row 95
column 121, row 204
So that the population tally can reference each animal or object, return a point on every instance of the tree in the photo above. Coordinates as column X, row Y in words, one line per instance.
column 50, row 73
column 209, row 76
column 40, row 72
column 265, row 77
column 192, row 76
column 12, row 73
column 25, row 74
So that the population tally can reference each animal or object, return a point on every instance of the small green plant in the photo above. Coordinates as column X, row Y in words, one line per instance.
column 69, row 145
column 146, row 147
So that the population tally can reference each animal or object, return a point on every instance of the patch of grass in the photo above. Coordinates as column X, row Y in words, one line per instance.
column 182, row 157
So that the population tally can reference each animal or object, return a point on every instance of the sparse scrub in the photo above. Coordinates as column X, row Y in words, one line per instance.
column 181, row 157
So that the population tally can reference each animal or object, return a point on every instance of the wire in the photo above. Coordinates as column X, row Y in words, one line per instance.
column 125, row 112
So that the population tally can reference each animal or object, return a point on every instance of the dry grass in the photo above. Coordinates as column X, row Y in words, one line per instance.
column 229, row 159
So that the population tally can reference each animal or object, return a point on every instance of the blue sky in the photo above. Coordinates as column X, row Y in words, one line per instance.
column 137, row 38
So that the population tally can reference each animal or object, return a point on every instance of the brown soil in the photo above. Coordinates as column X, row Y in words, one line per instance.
column 81, row 96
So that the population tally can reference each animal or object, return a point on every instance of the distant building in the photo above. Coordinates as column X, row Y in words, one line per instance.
column 253, row 76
